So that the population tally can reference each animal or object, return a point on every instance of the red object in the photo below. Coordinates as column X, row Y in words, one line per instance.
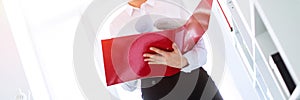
column 123, row 60
column 225, row 16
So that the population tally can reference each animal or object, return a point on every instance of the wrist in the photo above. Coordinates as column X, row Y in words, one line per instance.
column 184, row 62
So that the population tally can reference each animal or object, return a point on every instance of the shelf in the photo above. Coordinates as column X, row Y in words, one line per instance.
column 259, row 25
column 282, row 74
column 242, row 48
column 263, row 37
column 246, row 9
column 282, row 19
column 255, row 47
column 266, row 74
column 242, row 27
column 266, row 44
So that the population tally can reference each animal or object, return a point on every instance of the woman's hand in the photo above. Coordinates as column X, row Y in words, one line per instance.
column 172, row 59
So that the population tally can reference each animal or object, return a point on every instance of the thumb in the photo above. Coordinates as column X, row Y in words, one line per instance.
column 175, row 48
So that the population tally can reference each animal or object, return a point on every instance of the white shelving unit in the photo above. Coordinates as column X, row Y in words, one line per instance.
column 256, row 42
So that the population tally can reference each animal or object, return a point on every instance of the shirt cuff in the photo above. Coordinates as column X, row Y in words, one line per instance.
column 192, row 62
column 131, row 85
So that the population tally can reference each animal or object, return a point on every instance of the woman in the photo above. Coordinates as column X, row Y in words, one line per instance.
column 192, row 82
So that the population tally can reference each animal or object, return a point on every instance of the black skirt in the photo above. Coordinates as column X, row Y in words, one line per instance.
column 182, row 86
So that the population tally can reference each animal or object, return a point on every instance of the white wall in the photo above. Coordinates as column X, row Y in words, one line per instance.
column 12, row 76
column 44, row 32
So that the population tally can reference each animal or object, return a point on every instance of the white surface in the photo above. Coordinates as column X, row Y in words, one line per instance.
column 296, row 96
column 282, row 20
column 265, row 43
column 274, row 27
column 12, row 76
column 246, row 9
column 44, row 32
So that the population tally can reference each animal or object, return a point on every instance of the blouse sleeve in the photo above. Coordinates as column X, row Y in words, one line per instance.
column 196, row 57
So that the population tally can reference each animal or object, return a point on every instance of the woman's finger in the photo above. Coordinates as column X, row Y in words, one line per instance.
column 161, row 52
column 149, row 59
column 147, row 55
column 157, row 62
column 154, row 57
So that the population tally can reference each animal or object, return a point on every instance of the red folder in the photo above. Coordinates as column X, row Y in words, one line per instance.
column 123, row 60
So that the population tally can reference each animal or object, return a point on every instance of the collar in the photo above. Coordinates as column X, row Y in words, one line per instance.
column 130, row 9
